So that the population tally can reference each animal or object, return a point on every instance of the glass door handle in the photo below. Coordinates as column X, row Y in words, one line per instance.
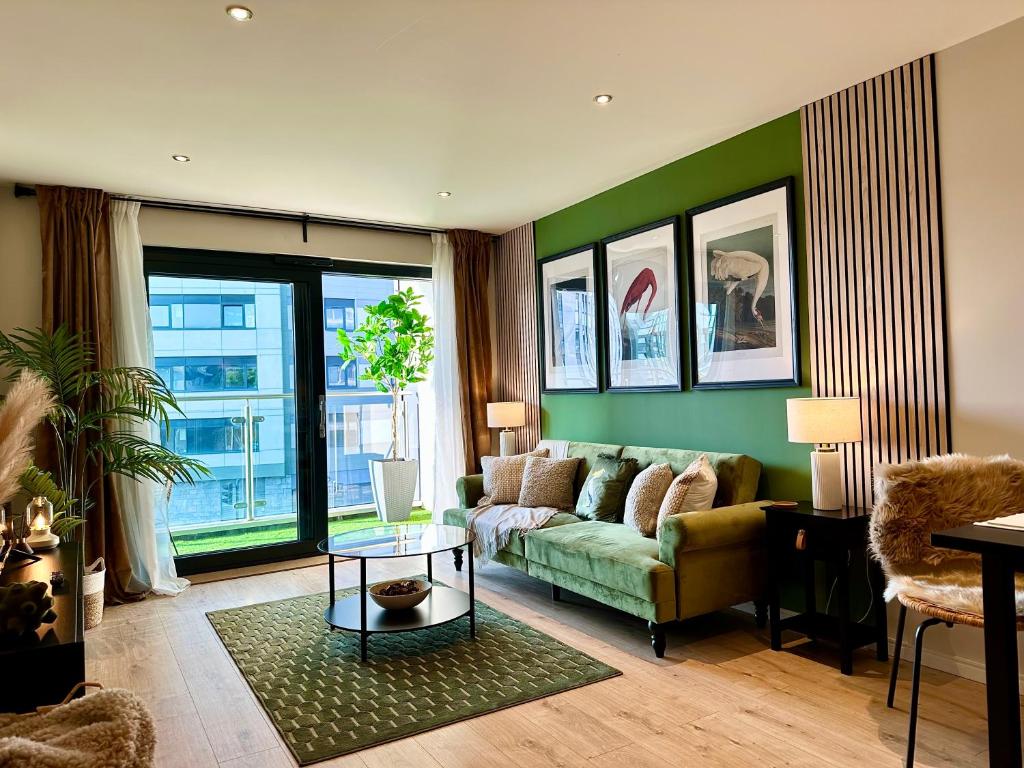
column 323, row 416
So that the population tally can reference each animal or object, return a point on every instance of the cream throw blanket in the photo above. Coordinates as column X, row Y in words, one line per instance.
column 109, row 729
column 494, row 524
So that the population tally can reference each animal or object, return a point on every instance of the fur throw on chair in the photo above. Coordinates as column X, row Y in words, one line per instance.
column 109, row 729
column 919, row 497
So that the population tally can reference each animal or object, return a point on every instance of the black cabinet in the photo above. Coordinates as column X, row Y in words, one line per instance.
column 43, row 669
column 803, row 536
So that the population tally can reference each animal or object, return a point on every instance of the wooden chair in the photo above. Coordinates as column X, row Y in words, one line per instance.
column 913, row 500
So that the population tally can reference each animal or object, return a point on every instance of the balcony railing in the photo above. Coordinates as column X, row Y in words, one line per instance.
column 249, row 443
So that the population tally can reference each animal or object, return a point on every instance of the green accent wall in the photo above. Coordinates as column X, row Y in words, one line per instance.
column 751, row 421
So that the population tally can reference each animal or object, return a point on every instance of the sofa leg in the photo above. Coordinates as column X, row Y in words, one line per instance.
column 761, row 613
column 556, row 593
column 657, row 638
column 458, row 558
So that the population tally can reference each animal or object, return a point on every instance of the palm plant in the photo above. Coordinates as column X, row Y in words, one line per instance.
column 92, row 421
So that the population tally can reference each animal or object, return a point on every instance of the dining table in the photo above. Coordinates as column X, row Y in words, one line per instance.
column 1002, row 557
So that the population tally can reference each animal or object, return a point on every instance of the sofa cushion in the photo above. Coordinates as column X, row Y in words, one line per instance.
column 737, row 473
column 503, row 476
column 692, row 491
column 515, row 543
column 589, row 453
column 548, row 483
column 644, row 499
column 603, row 496
column 606, row 553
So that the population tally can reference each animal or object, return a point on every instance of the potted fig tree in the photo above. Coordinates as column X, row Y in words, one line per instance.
column 398, row 346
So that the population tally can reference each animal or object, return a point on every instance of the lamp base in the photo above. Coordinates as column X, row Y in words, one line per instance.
column 42, row 540
column 826, row 480
column 507, row 442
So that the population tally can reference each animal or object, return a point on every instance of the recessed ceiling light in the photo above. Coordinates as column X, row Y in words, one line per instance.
column 181, row 158
column 444, row 194
column 603, row 98
column 239, row 12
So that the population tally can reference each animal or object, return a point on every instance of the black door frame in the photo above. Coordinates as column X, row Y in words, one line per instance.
column 305, row 273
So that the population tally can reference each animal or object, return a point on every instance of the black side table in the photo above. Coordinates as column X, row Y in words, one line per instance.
column 808, row 535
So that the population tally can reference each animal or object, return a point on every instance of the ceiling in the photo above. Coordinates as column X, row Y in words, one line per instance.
column 368, row 109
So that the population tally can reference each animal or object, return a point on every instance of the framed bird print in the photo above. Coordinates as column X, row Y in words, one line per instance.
column 640, row 275
column 567, row 321
column 743, row 317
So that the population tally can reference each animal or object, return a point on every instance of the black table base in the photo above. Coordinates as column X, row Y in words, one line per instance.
column 358, row 613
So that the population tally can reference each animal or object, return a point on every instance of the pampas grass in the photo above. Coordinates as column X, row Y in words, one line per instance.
column 27, row 403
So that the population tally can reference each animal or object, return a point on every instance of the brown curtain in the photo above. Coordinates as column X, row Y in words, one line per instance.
column 75, row 230
column 472, row 258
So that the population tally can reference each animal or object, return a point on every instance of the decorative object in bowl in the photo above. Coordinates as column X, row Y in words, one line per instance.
column 399, row 594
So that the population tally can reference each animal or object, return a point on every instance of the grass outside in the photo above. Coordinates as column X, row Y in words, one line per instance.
column 277, row 533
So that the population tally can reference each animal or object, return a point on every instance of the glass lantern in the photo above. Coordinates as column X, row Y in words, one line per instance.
column 38, row 519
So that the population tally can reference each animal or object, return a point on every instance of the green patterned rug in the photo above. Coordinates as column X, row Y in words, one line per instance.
column 325, row 702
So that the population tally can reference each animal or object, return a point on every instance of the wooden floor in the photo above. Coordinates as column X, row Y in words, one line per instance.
column 720, row 697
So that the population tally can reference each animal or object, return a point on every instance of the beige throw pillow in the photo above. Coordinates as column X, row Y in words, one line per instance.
column 503, row 477
column 644, row 499
column 548, row 483
column 692, row 490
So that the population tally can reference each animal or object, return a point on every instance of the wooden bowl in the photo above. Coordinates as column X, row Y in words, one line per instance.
column 399, row 602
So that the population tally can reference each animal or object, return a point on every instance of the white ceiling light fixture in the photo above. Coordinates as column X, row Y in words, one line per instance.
column 444, row 194
column 603, row 98
column 238, row 12
column 181, row 158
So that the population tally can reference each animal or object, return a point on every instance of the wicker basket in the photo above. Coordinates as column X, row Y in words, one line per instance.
column 92, row 591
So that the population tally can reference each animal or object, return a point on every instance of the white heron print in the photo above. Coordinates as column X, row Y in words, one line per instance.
column 740, row 286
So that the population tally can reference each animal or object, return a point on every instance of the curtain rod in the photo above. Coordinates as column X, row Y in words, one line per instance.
column 24, row 190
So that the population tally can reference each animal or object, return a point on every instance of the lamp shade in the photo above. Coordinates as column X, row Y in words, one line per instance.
column 823, row 420
column 506, row 414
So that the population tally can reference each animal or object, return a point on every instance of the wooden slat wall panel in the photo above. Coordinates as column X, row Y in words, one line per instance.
column 874, row 264
column 516, row 328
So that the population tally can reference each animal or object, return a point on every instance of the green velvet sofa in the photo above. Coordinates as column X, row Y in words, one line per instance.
column 705, row 561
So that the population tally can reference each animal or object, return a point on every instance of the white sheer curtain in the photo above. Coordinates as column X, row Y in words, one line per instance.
column 149, row 540
column 449, row 453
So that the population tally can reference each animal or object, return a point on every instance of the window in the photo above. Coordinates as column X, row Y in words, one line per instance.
column 339, row 313
column 341, row 374
column 208, row 374
column 202, row 312
column 234, row 316
column 160, row 315
column 193, row 437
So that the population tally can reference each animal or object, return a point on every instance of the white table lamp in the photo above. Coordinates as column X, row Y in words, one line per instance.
column 504, row 416
column 825, row 422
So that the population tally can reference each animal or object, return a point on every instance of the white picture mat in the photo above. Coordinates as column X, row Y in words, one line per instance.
column 756, row 364
column 645, row 373
column 577, row 265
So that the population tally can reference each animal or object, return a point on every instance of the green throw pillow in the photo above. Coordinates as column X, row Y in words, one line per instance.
column 603, row 496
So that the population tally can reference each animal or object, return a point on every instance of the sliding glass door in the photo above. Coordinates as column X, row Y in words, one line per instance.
column 227, row 350
column 248, row 344
column 357, row 416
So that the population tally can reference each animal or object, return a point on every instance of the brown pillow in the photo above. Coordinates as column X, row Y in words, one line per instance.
column 682, row 487
column 548, row 483
column 503, row 476
column 644, row 499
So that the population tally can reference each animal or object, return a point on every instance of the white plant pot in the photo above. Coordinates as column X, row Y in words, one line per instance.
column 394, row 485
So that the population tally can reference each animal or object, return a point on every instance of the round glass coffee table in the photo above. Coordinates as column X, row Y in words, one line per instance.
column 358, row 613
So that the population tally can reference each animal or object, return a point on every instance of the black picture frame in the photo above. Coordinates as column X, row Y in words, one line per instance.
column 542, row 328
column 788, row 184
column 676, row 295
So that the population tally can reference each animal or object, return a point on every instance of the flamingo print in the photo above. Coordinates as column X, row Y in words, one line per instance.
column 641, row 283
